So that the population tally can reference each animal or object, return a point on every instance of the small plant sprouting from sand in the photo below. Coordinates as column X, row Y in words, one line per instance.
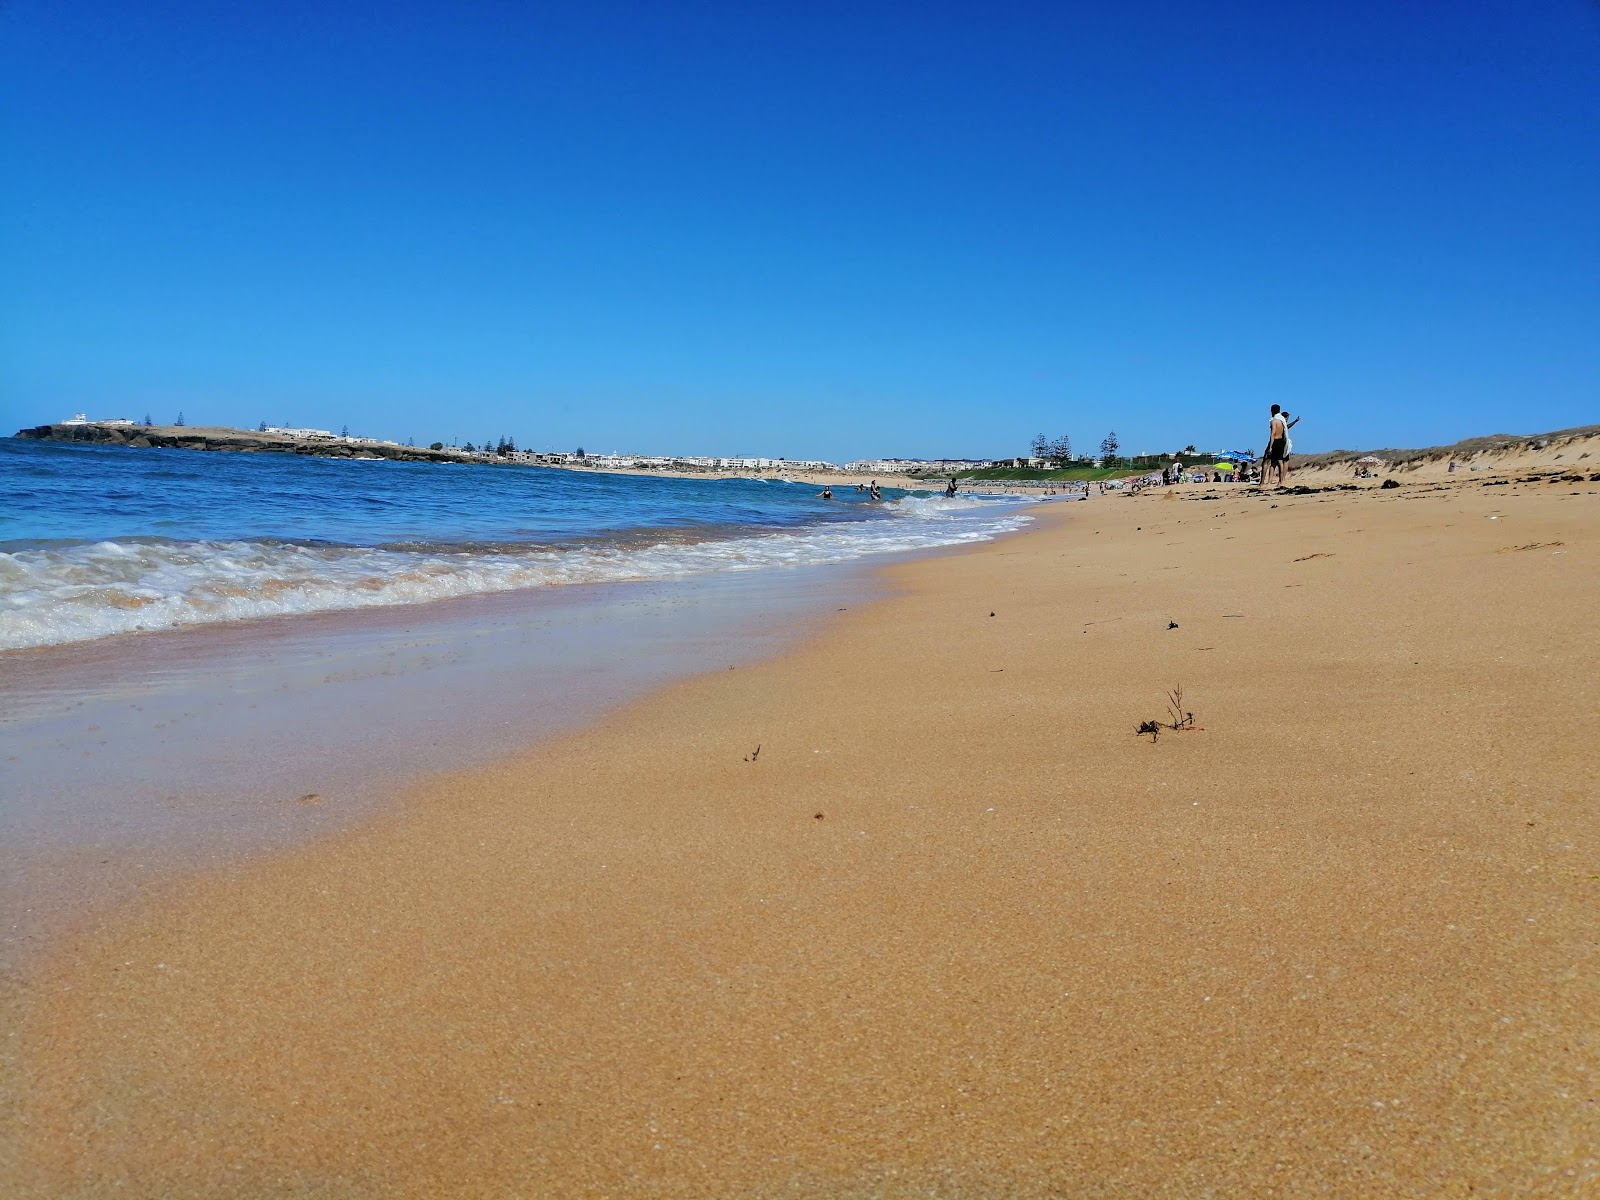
column 1179, row 719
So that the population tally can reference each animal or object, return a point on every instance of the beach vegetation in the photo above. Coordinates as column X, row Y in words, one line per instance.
column 1082, row 469
column 436, row 446
column 1078, row 471
column 1055, row 451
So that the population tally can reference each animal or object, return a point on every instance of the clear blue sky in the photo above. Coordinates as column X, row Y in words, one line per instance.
column 815, row 229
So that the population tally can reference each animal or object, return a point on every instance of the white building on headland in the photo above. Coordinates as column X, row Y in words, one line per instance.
column 80, row 419
column 326, row 435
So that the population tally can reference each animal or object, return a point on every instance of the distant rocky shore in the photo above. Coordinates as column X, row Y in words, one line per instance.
column 217, row 437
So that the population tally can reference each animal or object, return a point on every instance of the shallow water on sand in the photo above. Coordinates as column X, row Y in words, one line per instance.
column 130, row 759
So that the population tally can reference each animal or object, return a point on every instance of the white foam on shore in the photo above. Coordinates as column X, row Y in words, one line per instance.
column 50, row 596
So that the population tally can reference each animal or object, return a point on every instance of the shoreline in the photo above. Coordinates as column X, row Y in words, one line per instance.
column 191, row 747
column 969, row 934
column 407, row 538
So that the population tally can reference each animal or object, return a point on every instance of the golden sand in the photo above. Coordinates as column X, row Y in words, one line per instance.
column 956, row 930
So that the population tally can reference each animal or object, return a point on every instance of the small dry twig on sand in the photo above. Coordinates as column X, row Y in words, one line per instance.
column 753, row 755
column 1180, row 718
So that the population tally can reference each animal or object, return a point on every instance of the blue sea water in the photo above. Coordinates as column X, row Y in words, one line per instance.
column 101, row 540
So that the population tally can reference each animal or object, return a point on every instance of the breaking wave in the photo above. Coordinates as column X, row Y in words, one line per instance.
column 57, row 593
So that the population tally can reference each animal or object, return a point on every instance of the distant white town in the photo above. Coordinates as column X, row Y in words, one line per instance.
column 506, row 451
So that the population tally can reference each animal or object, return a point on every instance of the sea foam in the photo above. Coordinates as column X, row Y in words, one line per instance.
column 55, row 594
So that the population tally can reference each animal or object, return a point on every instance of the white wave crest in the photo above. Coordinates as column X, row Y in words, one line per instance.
column 78, row 593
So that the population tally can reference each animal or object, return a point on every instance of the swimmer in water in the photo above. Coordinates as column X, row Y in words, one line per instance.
column 825, row 494
column 875, row 493
column 951, row 490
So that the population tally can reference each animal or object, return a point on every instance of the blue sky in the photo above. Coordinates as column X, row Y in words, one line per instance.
column 821, row 229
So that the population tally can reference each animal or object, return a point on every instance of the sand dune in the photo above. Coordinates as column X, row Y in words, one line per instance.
column 1564, row 451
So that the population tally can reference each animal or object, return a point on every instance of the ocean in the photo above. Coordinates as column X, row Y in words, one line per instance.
column 192, row 643
column 97, row 541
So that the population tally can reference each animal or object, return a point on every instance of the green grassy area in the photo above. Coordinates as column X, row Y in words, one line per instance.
column 1046, row 475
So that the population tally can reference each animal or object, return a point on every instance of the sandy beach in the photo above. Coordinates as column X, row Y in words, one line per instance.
column 913, row 910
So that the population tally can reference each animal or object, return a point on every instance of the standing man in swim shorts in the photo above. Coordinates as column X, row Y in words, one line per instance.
column 1277, row 453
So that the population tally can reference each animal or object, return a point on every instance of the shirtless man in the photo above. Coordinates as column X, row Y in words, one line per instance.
column 1275, row 459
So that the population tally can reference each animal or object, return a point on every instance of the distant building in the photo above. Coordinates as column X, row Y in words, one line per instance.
column 302, row 434
column 80, row 419
column 680, row 462
column 902, row 466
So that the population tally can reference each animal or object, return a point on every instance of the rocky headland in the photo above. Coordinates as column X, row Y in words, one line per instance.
column 220, row 437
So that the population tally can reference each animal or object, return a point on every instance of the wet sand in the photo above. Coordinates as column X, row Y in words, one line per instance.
column 131, row 759
column 955, row 930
